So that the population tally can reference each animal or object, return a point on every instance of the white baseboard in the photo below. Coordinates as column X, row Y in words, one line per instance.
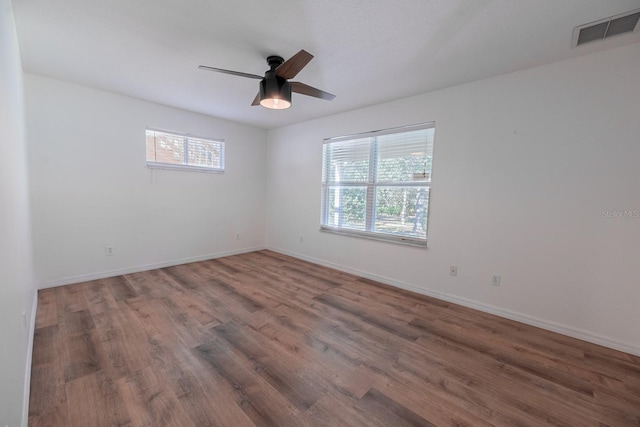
column 145, row 267
column 498, row 311
column 28, row 362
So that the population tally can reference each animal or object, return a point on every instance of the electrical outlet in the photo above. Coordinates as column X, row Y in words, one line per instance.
column 108, row 250
column 495, row 280
column 453, row 271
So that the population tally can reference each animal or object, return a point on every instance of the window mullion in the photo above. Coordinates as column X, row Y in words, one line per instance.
column 185, row 158
column 325, row 183
column 371, row 196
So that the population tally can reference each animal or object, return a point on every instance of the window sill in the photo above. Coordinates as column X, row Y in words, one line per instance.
column 183, row 168
column 407, row 241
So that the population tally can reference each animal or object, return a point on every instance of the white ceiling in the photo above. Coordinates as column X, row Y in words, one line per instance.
column 366, row 51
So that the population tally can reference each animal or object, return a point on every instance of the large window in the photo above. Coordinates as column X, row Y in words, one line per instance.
column 183, row 151
column 377, row 184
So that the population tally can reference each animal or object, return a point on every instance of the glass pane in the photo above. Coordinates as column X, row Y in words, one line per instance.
column 168, row 148
column 405, row 156
column 346, row 161
column 346, row 207
column 402, row 211
column 204, row 153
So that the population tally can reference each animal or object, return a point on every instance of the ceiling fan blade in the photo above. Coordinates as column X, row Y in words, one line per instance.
column 233, row 73
column 292, row 66
column 256, row 100
column 310, row 91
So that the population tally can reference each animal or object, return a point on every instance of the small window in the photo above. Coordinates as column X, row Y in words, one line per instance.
column 183, row 151
column 377, row 184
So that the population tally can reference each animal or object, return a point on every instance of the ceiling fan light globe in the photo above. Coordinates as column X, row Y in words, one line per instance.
column 275, row 92
column 275, row 104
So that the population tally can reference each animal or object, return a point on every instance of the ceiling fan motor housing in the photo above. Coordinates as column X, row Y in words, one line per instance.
column 275, row 91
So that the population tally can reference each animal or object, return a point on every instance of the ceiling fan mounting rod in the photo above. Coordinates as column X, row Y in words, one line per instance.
column 274, row 61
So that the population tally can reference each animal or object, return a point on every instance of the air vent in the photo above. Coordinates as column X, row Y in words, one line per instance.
column 605, row 28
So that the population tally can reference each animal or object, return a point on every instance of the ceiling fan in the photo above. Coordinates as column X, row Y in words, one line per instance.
column 275, row 88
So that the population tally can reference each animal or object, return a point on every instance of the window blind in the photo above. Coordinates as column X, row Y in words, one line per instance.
column 377, row 184
column 183, row 151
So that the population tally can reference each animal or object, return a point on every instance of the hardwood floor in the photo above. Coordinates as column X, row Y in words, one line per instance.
column 265, row 339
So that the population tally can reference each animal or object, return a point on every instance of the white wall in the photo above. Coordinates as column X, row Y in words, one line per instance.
column 91, row 188
column 16, row 285
column 524, row 166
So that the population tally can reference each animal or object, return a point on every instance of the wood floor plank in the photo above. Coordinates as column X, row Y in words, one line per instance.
column 398, row 328
column 206, row 397
column 276, row 366
column 481, row 344
column 82, row 354
column 47, row 392
column 99, row 298
column 119, row 288
column 459, row 394
column 388, row 412
column 94, row 400
column 265, row 339
column 152, row 284
column 159, row 323
column 70, row 299
column 331, row 411
column 125, row 348
column 47, row 309
column 345, row 375
column 259, row 400
column 479, row 377
column 47, row 340
column 150, row 401
column 48, row 399
column 190, row 306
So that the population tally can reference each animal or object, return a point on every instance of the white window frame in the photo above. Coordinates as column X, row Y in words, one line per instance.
column 371, row 185
column 187, row 139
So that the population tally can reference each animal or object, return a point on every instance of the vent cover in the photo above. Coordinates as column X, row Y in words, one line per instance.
column 605, row 28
